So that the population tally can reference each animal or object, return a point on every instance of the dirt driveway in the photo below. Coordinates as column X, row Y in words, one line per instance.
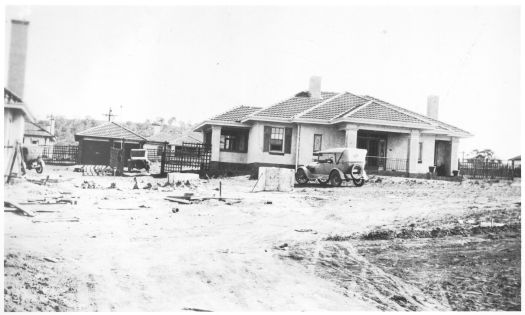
column 268, row 252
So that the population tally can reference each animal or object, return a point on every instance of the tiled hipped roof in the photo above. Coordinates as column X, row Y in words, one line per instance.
column 335, row 107
column 378, row 111
column 111, row 130
column 293, row 106
column 236, row 114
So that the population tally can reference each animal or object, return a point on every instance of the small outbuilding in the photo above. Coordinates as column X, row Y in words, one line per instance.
column 95, row 143
column 38, row 135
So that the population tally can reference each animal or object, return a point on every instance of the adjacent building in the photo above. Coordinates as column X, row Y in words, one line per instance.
column 288, row 133
column 95, row 143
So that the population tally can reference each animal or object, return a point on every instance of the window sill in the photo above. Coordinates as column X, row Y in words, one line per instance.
column 276, row 153
column 231, row 151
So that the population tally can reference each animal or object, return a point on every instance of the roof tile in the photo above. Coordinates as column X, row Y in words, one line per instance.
column 379, row 111
column 335, row 107
column 236, row 114
column 293, row 106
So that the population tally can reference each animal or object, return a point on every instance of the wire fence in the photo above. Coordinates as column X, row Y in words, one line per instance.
column 489, row 169
column 60, row 154
column 377, row 164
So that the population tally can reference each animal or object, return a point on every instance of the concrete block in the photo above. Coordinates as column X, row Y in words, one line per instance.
column 275, row 179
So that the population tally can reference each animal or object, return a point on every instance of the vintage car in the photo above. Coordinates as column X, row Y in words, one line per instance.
column 32, row 158
column 333, row 166
column 138, row 159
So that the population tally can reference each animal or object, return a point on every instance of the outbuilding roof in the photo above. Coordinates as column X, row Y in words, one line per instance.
column 32, row 129
column 111, row 130
column 190, row 137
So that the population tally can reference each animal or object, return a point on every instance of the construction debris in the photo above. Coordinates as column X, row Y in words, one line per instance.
column 19, row 208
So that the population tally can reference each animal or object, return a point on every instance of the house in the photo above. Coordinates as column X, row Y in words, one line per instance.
column 158, row 140
column 16, row 112
column 38, row 135
column 288, row 133
column 516, row 161
column 95, row 143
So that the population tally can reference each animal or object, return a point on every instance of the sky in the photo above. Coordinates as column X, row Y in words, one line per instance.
column 192, row 63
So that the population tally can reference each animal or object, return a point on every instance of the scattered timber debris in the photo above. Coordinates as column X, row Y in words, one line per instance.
column 136, row 185
column 50, row 259
column 305, row 230
column 189, row 198
column 51, row 220
column 10, row 205
column 195, row 309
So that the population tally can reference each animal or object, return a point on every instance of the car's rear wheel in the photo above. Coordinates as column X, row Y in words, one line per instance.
column 356, row 172
column 359, row 182
column 300, row 177
column 335, row 179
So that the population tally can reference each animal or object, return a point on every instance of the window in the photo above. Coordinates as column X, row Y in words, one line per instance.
column 277, row 140
column 117, row 145
column 34, row 141
column 420, row 153
column 317, row 142
column 234, row 140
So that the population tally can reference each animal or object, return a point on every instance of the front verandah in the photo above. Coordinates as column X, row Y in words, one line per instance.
column 403, row 151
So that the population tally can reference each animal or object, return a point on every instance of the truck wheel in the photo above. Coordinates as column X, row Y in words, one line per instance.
column 335, row 179
column 359, row 182
column 300, row 177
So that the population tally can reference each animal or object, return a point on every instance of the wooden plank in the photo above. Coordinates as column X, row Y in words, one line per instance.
column 182, row 201
column 19, row 207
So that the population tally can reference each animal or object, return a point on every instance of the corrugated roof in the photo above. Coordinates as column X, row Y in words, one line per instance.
column 236, row 114
column 111, row 130
column 293, row 106
column 379, row 111
column 335, row 107
column 32, row 129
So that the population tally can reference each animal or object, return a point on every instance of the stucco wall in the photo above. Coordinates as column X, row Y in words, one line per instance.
column 255, row 146
column 428, row 153
column 397, row 146
column 233, row 157
column 13, row 132
column 331, row 138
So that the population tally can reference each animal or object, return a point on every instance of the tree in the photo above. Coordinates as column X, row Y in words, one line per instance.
column 485, row 154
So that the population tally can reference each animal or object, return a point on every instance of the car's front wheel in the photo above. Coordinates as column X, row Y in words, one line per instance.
column 300, row 177
column 359, row 182
column 335, row 179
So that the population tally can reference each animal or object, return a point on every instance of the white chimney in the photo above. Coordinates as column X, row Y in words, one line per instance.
column 156, row 128
column 315, row 87
column 52, row 125
column 433, row 106
column 17, row 57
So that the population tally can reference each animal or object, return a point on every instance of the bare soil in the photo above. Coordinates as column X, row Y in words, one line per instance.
column 393, row 244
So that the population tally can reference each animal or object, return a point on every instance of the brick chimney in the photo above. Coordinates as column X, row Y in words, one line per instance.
column 17, row 57
column 315, row 87
column 433, row 106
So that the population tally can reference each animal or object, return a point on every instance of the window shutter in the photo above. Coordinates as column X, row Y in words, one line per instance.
column 266, row 141
column 288, row 140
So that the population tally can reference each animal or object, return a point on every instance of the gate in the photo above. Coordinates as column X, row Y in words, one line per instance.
column 189, row 157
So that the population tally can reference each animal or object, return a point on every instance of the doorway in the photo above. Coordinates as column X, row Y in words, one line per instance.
column 442, row 152
column 375, row 144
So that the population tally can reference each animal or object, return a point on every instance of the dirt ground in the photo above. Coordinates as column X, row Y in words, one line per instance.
column 393, row 244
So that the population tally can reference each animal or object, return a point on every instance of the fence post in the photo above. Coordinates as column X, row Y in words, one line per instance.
column 163, row 160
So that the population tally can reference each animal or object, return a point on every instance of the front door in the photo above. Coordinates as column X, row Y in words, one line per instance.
column 442, row 157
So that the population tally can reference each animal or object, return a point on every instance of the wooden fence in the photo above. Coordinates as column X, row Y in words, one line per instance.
column 487, row 169
column 189, row 157
column 60, row 154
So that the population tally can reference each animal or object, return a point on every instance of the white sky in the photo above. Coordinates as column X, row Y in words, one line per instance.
column 195, row 62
